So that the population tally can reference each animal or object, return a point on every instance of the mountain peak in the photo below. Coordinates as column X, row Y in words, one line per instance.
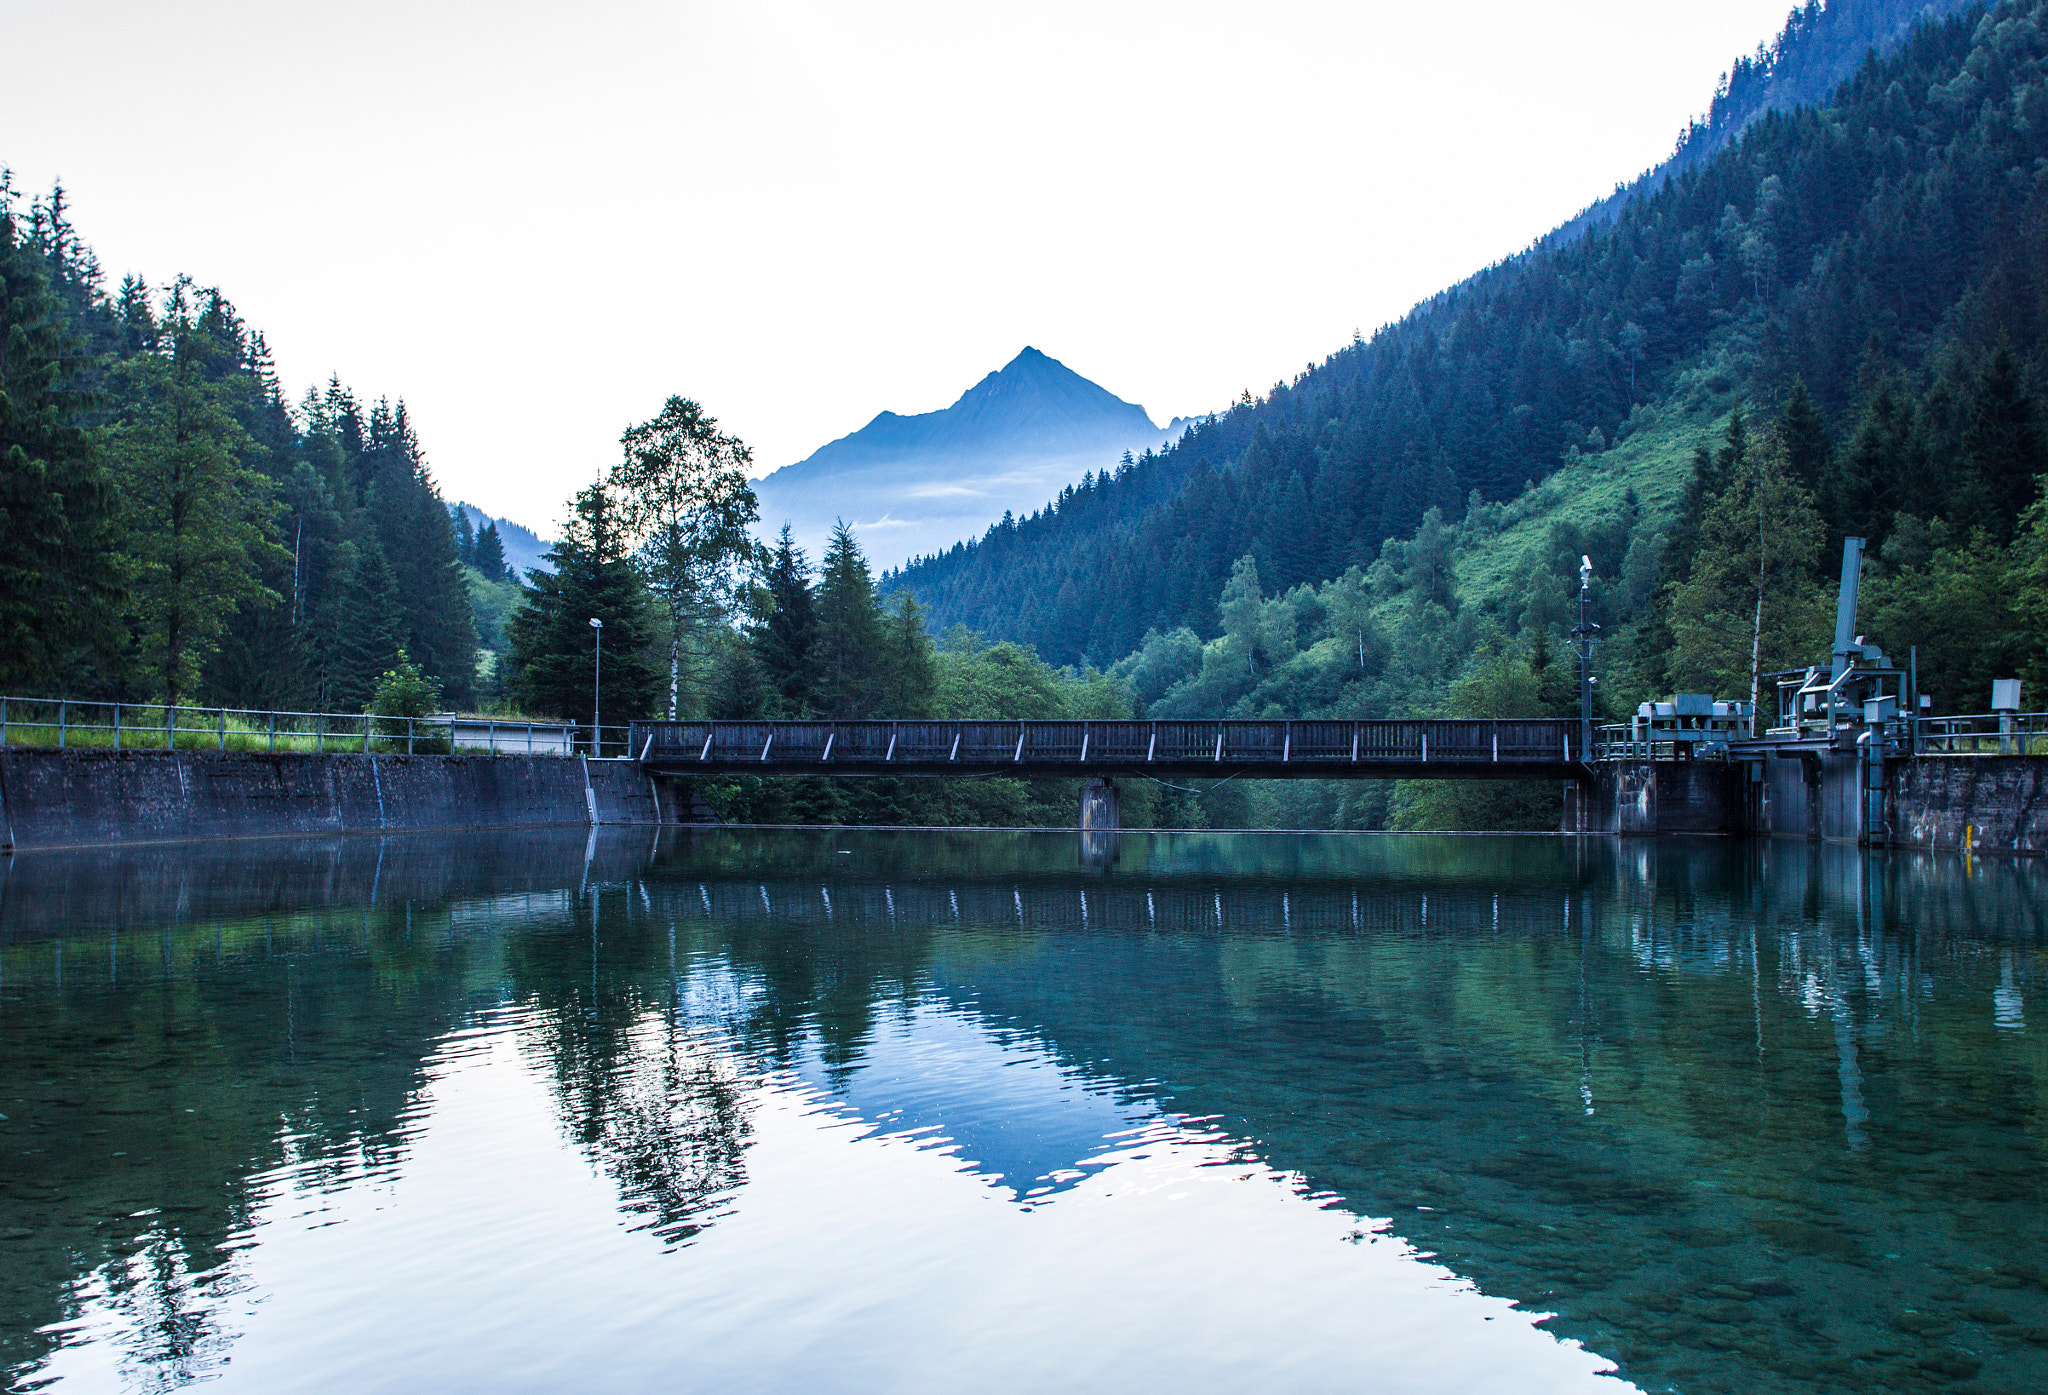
column 1010, row 441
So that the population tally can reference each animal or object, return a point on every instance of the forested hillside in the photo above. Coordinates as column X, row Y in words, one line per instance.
column 1880, row 249
column 172, row 530
column 1819, row 46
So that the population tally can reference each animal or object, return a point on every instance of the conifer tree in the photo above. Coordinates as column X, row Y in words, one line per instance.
column 465, row 537
column 489, row 554
column 1877, row 471
column 550, row 634
column 59, row 583
column 198, row 517
column 908, row 675
column 849, row 631
column 360, row 626
column 418, row 541
column 2003, row 451
column 1805, row 433
column 785, row 645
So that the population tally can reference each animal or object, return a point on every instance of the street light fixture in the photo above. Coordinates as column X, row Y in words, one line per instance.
column 597, row 687
column 1582, row 645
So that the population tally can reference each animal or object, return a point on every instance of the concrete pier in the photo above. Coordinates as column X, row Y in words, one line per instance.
column 1101, row 805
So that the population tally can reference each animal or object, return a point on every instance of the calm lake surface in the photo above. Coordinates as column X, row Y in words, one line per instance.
column 753, row 1110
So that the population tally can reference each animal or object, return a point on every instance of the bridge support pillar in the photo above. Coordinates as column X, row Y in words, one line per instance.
column 1101, row 807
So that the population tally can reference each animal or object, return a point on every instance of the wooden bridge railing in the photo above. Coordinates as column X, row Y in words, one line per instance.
column 1282, row 748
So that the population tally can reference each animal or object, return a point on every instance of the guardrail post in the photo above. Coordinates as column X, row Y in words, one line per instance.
column 3, row 724
column 60, row 726
column 408, row 735
column 117, row 726
column 223, row 728
column 170, row 727
column 273, row 733
column 366, row 733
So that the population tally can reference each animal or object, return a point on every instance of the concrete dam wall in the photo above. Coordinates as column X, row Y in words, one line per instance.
column 68, row 798
column 1986, row 804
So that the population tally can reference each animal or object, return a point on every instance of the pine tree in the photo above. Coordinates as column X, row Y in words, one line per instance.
column 551, row 637
column 909, row 674
column 60, row 586
column 360, row 626
column 198, row 517
column 849, row 631
column 1804, row 432
column 2003, row 451
column 465, row 537
column 1877, row 472
column 785, row 645
column 418, row 541
column 489, row 554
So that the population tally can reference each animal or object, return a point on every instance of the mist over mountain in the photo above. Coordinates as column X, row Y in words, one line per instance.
column 912, row 485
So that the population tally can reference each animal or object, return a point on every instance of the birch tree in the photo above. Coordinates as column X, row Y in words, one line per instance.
column 1754, row 600
column 682, row 486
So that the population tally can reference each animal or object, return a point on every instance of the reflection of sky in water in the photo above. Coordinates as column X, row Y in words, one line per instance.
column 1002, row 1105
column 856, row 1256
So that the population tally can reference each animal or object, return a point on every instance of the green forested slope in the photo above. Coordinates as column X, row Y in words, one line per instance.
column 1881, row 249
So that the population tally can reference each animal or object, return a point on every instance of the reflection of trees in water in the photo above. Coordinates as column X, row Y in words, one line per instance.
column 674, row 1129
column 172, row 1313
column 159, row 1066
column 660, row 1105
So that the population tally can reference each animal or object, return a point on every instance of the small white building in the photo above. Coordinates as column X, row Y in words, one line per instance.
column 507, row 737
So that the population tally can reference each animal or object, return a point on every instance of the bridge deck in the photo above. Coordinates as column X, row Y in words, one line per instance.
column 1380, row 750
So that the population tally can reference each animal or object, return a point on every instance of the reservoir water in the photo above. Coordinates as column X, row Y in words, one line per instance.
column 747, row 1110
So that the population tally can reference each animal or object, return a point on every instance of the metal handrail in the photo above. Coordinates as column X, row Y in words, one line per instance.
column 1983, row 734
column 65, row 724
column 932, row 745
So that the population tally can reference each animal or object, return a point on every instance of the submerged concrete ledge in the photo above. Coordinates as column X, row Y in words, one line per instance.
column 86, row 797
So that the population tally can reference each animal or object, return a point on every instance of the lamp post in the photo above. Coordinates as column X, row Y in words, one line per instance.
column 1582, row 645
column 597, row 687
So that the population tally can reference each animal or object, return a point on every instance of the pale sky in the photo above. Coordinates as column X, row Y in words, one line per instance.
column 534, row 222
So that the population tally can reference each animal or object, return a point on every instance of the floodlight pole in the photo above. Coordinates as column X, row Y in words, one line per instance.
column 1582, row 645
column 597, row 687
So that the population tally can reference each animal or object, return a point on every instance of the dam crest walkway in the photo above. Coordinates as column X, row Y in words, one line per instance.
column 1447, row 748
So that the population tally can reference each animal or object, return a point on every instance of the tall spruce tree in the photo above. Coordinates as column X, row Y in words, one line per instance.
column 360, row 626
column 849, row 631
column 198, row 517
column 785, row 645
column 60, row 582
column 418, row 540
column 1804, row 431
column 488, row 554
column 552, row 655
column 2003, row 451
